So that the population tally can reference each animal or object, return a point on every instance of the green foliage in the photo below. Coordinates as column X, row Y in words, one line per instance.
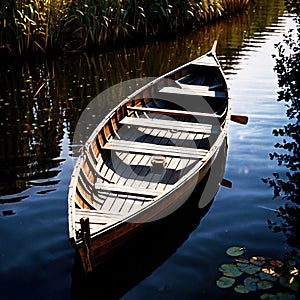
column 287, row 186
column 225, row 282
column 230, row 270
column 30, row 26
column 258, row 274
column 235, row 251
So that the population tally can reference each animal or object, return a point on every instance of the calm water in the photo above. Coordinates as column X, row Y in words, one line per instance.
column 40, row 104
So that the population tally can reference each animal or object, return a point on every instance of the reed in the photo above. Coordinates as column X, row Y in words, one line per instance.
column 30, row 26
column 230, row 6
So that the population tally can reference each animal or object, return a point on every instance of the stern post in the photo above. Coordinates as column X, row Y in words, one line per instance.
column 86, row 237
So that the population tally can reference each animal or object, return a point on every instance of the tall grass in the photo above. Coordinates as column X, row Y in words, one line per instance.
column 30, row 26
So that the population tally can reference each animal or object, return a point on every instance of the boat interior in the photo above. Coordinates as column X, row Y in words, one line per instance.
column 146, row 145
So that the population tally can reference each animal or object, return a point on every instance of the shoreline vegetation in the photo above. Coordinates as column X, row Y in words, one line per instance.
column 48, row 27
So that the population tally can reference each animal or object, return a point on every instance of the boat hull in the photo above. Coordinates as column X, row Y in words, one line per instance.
column 145, row 158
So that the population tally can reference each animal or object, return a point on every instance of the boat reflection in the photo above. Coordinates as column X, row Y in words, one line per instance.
column 140, row 256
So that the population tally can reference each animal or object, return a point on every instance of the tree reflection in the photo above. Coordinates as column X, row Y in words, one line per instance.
column 287, row 185
column 41, row 101
column 29, row 129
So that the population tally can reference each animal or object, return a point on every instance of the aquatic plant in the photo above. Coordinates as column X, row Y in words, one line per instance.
column 229, row 6
column 260, row 274
column 30, row 26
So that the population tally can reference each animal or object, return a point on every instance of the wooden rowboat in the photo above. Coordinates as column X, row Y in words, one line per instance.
column 145, row 158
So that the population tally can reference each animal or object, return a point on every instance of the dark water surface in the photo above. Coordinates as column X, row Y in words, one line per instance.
column 40, row 104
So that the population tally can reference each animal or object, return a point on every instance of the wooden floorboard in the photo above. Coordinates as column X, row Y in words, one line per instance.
column 118, row 202
column 109, row 201
column 128, row 169
column 133, row 204
column 98, row 217
column 137, row 158
column 122, row 173
column 132, row 175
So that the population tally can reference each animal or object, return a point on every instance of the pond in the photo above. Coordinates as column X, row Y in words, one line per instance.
column 40, row 104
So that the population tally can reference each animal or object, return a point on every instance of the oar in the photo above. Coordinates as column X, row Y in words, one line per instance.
column 226, row 183
column 239, row 119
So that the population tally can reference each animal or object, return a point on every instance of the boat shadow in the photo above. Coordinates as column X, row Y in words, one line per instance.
column 139, row 257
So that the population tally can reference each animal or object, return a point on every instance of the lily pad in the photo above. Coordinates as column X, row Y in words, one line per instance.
column 292, row 262
column 242, row 260
column 270, row 271
column 241, row 289
column 268, row 297
column 235, row 251
column 257, row 260
column 225, row 282
column 264, row 285
column 230, row 270
column 249, row 268
column 295, row 286
column 276, row 263
column 250, row 283
column 289, row 282
column 285, row 296
column 284, row 281
column 294, row 271
column 266, row 276
column 242, row 265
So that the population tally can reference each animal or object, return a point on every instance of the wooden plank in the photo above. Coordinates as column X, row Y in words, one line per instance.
column 98, row 200
column 118, row 202
column 105, row 171
column 121, row 158
column 147, row 148
column 193, row 90
column 122, row 202
column 173, row 112
column 170, row 125
column 175, row 164
column 127, row 205
column 98, row 216
column 114, row 188
column 155, row 179
column 140, row 180
column 128, row 173
column 110, row 199
column 129, row 202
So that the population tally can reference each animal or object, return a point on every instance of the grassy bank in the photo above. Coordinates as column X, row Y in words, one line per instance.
column 45, row 26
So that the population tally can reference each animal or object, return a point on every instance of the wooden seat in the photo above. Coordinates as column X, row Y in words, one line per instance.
column 193, row 90
column 154, row 149
column 170, row 125
column 180, row 113
column 114, row 188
